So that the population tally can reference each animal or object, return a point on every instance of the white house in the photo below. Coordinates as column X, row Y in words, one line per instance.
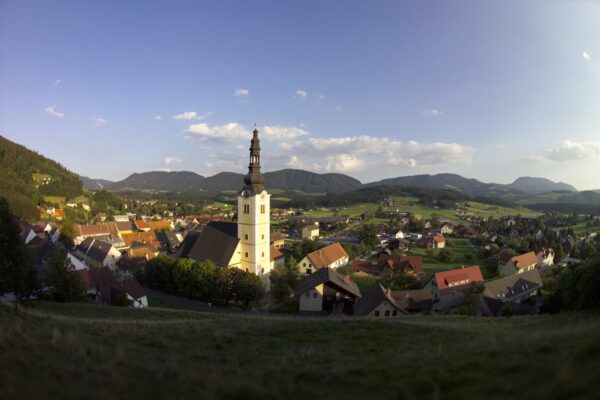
column 332, row 256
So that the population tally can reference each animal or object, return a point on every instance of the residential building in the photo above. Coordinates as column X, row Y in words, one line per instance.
column 331, row 256
column 447, row 287
column 326, row 290
column 519, row 264
column 310, row 232
column 98, row 253
column 277, row 239
column 378, row 303
column 511, row 290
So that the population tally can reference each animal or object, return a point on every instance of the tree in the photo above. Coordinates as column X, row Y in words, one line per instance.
column 247, row 287
column 17, row 275
column 64, row 286
column 446, row 256
column 368, row 235
column 284, row 279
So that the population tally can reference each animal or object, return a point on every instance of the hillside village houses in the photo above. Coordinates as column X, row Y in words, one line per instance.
column 311, row 232
column 332, row 256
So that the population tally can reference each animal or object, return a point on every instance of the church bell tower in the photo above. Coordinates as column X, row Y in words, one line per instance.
column 254, row 217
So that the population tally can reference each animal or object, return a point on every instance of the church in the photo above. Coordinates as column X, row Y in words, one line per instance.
column 244, row 244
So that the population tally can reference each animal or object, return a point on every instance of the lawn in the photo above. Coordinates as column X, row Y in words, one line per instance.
column 489, row 210
column 95, row 352
column 465, row 255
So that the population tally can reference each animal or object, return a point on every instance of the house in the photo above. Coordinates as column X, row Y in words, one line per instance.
column 82, row 232
column 125, row 227
column 411, row 265
column 545, row 258
column 121, row 218
column 169, row 241
column 432, row 242
column 278, row 239
column 98, row 253
column 511, row 290
column 446, row 229
column 399, row 235
column 144, row 250
column 277, row 258
column 148, row 237
column 326, row 290
column 415, row 300
column 439, row 242
column 160, row 225
column 519, row 264
column 331, row 256
column 447, row 287
column 364, row 267
column 142, row 225
column 378, row 303
column 71, row 203
column 101, row 284
column 310, row 232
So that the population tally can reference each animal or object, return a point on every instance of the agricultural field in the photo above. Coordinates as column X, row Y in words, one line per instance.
column 489, row 210
column 71, row 351
column 60, row 200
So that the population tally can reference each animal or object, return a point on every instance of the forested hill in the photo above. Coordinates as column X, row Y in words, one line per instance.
column 25, row 176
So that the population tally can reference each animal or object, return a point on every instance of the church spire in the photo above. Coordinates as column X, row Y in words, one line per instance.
column 254, row 180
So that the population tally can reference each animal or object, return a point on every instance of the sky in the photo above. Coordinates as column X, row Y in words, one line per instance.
column 491, row 90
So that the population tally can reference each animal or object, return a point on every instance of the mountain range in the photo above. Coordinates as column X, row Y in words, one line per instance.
column 310, row 182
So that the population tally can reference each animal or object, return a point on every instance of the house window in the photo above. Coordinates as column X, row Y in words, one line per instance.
column 376, row 313
column 308, row 294
column 308, row 271
column 304, row 264
column 315, row 294
column 387, row 313
column 395, row 313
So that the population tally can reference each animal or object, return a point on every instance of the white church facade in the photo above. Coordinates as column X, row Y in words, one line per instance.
column 244, row 244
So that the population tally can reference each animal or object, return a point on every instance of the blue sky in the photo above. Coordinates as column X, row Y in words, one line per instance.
column 492, row 90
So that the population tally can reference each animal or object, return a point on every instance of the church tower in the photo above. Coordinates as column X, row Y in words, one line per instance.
column 254, row 217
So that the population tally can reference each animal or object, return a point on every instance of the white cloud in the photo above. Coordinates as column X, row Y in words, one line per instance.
column 432, row 112
column 339, row 108
column 231, row 132
column 189, row 115
column 241, row 92
column 585, row 55
column 158, row 117
column 57, row 82
column 568, row 150
column 99, row 121
column 355, row 153
column 301, row 94
column 320, row 97
column 279, row 132
column 173, row 160
column 52, row 111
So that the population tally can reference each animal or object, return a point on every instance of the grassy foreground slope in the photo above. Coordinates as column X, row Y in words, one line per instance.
column 87, row 351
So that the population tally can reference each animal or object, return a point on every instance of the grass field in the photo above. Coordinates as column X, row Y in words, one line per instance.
column 465, row 255
column 94, row 352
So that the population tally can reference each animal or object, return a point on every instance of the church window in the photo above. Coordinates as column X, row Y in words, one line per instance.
column 263, row 254
column 262, row 236
column 262, row 270
column 246, row 208
column 246, row 254
column 262, row 208
column 246, row 236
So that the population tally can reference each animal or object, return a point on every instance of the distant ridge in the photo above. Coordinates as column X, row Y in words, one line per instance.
column 532, row 185
column 186, row 181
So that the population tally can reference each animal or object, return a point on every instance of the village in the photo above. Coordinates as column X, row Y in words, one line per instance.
column 383, row 262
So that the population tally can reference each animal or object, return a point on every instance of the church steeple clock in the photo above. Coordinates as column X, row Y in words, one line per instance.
column 254, row 217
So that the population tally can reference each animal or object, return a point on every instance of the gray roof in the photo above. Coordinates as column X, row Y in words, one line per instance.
column 414, row 300
column 373, row 299
column 168, row 238
column 216, row 242
column 513, row 286
column 95, row 249
column 330, row 278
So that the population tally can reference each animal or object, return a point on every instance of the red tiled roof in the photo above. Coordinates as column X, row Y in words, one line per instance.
column 445, row 279
column 439, row 239
column 327, row 255
column 524, row 260
column 275, row 253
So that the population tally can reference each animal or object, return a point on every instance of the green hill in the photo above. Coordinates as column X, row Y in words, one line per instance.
column 25, row 176
column 88, row 351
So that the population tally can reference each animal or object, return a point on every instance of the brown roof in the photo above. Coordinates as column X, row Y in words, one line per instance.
column 142, row 237
column 275, row 236
column 439, row 239
column 91, row 230
column 373, row 299
column 327, row 255
column 125, row 226
column 275, row 253
column 141, row 224
column 445, row 278
column 524, row 260
column 157, row 225
column 413, row 300
column 142, row 250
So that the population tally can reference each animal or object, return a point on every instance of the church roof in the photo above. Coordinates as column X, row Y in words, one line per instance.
column 216, row 242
